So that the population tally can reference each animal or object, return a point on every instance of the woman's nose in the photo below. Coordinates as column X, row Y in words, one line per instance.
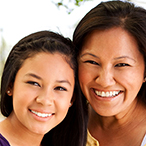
column 105, row 78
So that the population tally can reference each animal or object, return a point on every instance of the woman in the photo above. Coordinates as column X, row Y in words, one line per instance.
column 37, row 97
column 111, row 47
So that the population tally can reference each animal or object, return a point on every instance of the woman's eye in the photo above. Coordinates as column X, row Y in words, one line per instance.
column 60, row 88
column 121, row 65
column 91, row 62
column 33, row 83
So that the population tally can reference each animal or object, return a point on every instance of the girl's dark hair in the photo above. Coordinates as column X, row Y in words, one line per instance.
column 111, row 14
column 73, row 127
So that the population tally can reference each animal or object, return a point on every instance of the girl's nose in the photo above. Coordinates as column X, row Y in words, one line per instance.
column 45, row 98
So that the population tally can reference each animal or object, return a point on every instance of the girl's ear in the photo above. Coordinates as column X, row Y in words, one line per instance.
column 70, row 104
column 10, row 90
column 144, row 79
column 72, row 100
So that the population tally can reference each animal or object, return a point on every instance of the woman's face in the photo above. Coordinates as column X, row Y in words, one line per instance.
column 111, row 71
column 42, row 92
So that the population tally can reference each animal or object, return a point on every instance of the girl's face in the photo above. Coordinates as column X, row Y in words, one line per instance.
column 111, row 71
column 42, row 92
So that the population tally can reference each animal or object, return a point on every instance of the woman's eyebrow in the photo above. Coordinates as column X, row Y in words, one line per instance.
column 121, row 57
column 89, row 54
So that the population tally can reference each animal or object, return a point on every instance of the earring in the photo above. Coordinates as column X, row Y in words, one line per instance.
column 145, row 79
column 87, row 101
column 8, row 91
column 70, row 104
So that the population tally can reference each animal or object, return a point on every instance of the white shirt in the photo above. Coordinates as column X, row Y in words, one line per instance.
column 144, row 141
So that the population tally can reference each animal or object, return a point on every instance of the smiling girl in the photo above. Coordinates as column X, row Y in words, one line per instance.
column 37, row 87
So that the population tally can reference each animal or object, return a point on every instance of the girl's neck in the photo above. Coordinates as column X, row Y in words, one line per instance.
column 16, row 134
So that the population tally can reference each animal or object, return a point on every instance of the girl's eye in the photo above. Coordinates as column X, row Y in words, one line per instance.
column 33, row 83
column 60, row 88
column 122, row 65
column 91, row 62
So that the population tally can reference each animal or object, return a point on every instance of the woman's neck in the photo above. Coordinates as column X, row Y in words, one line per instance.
column 119, row 129
column 120, row 120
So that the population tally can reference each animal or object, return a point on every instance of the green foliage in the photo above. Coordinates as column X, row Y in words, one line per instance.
column 3, row 52
column 76, row 3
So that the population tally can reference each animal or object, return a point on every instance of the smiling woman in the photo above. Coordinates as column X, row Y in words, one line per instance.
column 111, row 77
column 40, row 94
column 111, row 47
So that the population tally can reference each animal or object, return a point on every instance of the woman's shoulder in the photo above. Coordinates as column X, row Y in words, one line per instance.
column 91, row 140
column 144, row 141
column 3, row 141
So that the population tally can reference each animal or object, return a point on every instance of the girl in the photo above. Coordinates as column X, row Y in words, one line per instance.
column 37, row 86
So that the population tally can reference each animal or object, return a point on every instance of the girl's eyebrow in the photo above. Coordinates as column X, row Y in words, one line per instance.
column 63, row 81
column 38, row 77
column 34, row 75
column 121, row 57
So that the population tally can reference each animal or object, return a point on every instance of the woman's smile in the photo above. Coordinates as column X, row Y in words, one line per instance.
column 106, row 93
column 110, row 74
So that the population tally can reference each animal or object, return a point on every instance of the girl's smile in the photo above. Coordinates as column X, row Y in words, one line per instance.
column 42, row 92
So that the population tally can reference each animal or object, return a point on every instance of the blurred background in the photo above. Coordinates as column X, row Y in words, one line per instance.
column 20, row 18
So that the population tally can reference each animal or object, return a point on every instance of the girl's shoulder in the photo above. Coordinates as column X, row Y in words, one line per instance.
column 3, row 141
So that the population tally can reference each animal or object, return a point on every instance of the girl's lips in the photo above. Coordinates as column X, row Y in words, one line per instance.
column 41, row 114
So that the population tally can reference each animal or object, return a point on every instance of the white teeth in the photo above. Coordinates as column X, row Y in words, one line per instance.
column 41, row 114
column 107, row 94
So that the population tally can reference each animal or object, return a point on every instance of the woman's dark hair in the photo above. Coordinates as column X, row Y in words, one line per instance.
column 73, row 127
column 111, row 14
